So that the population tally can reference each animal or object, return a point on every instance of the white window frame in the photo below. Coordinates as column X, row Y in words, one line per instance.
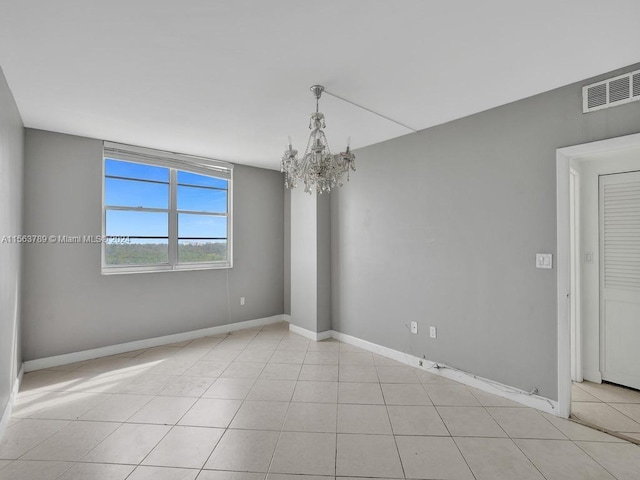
column 175, row 162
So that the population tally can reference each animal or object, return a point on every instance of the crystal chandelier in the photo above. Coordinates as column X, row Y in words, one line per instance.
column 318, row 168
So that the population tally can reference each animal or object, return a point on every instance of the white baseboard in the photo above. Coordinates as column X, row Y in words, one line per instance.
column 489, row 386
column 6, row 415
column 57, row 360
column 316, row 337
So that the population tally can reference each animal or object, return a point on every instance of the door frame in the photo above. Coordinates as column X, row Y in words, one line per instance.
column 563, row 261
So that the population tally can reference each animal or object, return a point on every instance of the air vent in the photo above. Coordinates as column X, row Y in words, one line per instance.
column 611, row 92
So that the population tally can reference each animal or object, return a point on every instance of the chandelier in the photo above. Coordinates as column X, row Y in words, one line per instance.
column 318, row 168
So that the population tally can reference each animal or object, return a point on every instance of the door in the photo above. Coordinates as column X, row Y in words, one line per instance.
column 620, row 278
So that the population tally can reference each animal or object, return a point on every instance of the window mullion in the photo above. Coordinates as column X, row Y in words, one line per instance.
column 173, row 218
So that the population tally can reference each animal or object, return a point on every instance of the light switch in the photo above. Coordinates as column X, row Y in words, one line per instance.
column 544, row 260
column 588, row 257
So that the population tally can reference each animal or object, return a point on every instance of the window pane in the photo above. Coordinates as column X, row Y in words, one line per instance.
column 202, row 199
column 138, row 252
column 133, row 193
column 201, row 250
column 188, row 178
column 201, row 226
column 123, row 223
column 120, row 168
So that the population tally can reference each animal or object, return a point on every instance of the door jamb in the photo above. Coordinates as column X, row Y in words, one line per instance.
column 563, row 158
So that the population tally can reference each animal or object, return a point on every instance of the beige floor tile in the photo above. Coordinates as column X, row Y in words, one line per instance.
column 622, row 460
column 487, row 399
column 319, row 392
column 360, row 393
column 163, row 473
column 146, row 384
column 356, row 358
column 416, row 420
column 631, row 410
column 221, row 356
column 117, row 408
column 470, row 422
column 319, row 373
column 43, row 380
column 207, row 368
column 305, row 453
column 211, row 412
column 103, row 364
column 163, row 410
column 433, row 378
column 322, row 357
column 34, row 470
column 272, row 390
column 288, row 356
column 605, row 416
column 405, row 394
column 260, row 416
column 370, row 419
column 368, row 456
column 611, row 393
column 184, row 447
column 451, row 395
column 288, row 476
column 188, row 387
column 311, row 417
column 497, row 459
column 129, row 444
column 244, row 450
column 432, row 457
column 562, row 460
column 97, row 471
column 524, row 423
column 27, row 434
column 4, row 463
column 229, row 388
column 574, row 431
column 580, row 395
column 388, row 374
column 255, row 355
column 345, row 347
column 72, row 442
column 386, row 362
column 329, row 345
column 281, row 371
column 358, row 373
column 243, row 370
column 69, row 406
column 220, row 475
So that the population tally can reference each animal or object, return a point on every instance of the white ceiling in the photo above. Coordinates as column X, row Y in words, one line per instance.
column 230, row 79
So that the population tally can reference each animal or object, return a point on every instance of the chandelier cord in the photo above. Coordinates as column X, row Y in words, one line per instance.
column 369, row 110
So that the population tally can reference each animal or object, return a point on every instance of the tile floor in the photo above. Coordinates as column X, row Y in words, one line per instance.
column 266, row 404
column 610, row 407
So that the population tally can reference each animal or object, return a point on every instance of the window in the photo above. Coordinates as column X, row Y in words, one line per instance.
column 164, row 211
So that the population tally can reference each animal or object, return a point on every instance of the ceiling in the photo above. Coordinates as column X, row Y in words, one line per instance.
column 230, row 79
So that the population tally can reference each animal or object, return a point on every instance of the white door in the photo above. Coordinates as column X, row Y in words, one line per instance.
column 620, row 278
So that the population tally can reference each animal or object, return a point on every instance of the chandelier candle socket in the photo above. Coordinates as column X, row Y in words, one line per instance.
column 318, row 168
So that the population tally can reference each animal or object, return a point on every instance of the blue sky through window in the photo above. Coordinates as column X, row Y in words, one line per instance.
column 130, row 191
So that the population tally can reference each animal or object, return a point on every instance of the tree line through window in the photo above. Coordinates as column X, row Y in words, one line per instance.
column 169, row 217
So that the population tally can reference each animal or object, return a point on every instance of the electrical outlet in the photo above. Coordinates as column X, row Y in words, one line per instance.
column 241, row 300
column 414, row 327
column 432, row 332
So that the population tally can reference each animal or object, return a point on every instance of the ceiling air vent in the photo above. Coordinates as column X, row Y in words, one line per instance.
column 611, row 92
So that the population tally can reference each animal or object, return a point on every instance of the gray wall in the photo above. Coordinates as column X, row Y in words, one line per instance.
column 287, row 251
column 442, row 227
column 11, row 170
column 65, row 292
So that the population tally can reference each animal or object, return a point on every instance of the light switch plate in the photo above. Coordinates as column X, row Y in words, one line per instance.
column 544, row 260
column 414, row 327
column 432, row 332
